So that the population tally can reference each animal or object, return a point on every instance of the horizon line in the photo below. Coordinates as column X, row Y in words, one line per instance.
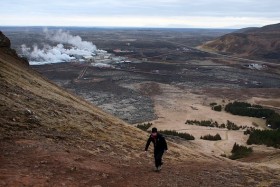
column 123, row 27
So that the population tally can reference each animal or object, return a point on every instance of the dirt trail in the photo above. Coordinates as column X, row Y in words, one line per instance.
column 217, row 144
column 83, row 72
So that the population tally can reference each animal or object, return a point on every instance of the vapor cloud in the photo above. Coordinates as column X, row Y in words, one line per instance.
column 67, row 38
column 59, row 53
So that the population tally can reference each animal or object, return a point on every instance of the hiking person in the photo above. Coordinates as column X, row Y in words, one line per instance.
column 160, row 146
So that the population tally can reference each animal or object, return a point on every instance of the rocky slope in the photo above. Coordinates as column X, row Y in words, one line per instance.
column 256, row 43
column 5, row 47
column 49, row 137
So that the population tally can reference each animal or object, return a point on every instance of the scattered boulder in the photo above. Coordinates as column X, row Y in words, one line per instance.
column 34, row 120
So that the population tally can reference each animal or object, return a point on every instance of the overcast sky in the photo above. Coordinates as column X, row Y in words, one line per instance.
column 140, row 13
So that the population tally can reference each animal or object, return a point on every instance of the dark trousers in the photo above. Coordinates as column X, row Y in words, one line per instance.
column 158, row 157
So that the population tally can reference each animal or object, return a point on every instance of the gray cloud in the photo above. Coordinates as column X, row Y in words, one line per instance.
column 160, row 8
column 147, row 7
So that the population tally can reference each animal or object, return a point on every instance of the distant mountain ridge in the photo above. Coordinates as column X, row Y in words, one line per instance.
column 255, row 43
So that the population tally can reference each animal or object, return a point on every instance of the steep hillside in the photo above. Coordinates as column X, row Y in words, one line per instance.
column 255, row 43
column 49, row 137
column 5, row 46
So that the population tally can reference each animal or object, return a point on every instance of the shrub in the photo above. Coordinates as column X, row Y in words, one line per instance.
column 239, row 151
column 211, row 138
column 222, row 126
column 144, row 126
column 185, row 136
column 217, row 108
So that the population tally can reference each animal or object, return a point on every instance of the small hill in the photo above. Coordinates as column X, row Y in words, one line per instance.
column 50, row 137
column 255, row 43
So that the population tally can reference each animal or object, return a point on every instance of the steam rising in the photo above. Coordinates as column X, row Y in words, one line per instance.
column 65, row 37
column 54, row 54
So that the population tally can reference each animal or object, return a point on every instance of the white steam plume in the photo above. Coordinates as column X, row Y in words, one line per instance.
column 66, row 37
column 46, row 55
column 58, row 53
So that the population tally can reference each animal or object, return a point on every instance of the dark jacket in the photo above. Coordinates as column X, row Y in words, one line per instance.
column 159, row 143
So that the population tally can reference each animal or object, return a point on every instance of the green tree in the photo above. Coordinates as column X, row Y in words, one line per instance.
column 239, row 151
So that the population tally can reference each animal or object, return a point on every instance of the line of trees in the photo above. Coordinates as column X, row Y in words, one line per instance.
column 230, row 125
column 267, row 137
column 246, row 109
column 185, row 136
column 204, row 123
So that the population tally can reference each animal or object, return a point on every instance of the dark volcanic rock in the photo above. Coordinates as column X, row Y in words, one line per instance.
column 5, row 45
column 4, row 41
